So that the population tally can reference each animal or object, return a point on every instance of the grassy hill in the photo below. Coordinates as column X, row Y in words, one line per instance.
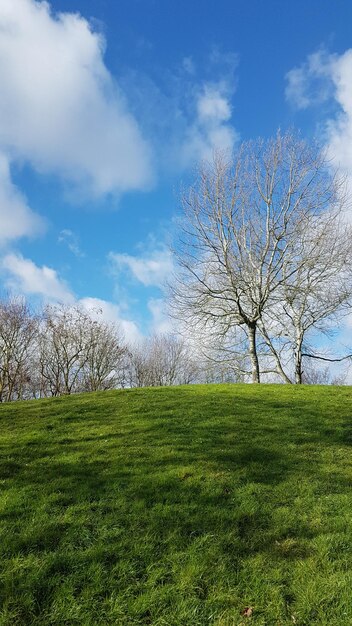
column 221, row 505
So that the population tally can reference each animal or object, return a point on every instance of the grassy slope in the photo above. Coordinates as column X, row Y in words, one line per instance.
column 178, row 506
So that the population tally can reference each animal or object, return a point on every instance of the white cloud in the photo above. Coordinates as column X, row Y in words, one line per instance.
column 111, row 312
column 211, row 129
column 339, row 129
column 161, row 323
column 321, row 77
column 150, row 269
column 195, row 114
column 311, row 83
column 16, row 217
column 212, row 105
column 26, row 277
column 69, row 238
column 60, row 109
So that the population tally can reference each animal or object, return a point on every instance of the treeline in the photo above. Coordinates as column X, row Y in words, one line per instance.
column 63, row 350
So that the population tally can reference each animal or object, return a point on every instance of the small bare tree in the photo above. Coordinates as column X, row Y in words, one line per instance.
column 105, row 358
column 18, row 328
column 63, row 348
column 161, row 360
column 78, row 351
column 239, row 220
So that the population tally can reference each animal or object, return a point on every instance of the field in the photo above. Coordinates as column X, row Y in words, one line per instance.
column 222, row 505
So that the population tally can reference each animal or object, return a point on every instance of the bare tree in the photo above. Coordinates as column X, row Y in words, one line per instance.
column 105, row 358
column 316, row 291
column 138, row 369
column 221, row 357
column 18, row 327
column 313, row 375
column 239, row 220
column 63, row 348
column 161, row 360
column 78, row 351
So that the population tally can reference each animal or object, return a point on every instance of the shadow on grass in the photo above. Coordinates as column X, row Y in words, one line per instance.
column 175, row 468
column 266, row 437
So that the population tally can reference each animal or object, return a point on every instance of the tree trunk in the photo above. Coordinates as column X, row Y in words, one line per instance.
column 298, row 359
column 252, row 330
column 269, row 343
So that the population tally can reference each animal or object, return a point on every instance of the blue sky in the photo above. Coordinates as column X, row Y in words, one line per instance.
column 105, row 108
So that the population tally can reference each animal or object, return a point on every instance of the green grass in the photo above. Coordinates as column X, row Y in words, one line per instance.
column 178, row 506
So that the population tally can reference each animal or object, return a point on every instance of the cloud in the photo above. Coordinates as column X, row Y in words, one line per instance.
column 191, row 105
column 339, row 129
column 311, row 83
column 213, row 106
column 110, row 312
column 211, row 129
column 26, row 277
column 60, row 109
column 161, row 323
column 66, row 236
column 324, row 77
column 151, row 268
column 16, row 217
